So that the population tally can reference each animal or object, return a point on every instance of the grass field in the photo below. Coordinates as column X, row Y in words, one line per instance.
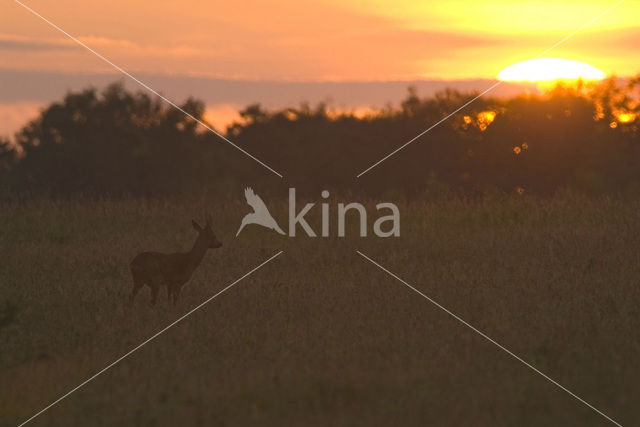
column 319, row 336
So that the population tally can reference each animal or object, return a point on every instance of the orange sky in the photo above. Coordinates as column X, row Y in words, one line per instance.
column 310, row 40
column 317, row 40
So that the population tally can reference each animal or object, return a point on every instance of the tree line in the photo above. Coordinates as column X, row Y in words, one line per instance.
column 114, row 142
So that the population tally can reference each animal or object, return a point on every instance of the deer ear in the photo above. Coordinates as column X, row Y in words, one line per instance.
column 196, row 226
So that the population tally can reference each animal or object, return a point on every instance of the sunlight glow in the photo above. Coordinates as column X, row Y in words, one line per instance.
column 485, row 118
column 626, row 117
column 545, row 69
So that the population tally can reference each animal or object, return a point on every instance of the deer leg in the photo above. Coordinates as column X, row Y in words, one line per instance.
column 176, row 294
column 169, row 293
column 155, row 287
column 137, row 284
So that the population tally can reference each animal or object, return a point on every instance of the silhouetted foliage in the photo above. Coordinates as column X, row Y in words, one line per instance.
column 115, row 142
column 583, row 137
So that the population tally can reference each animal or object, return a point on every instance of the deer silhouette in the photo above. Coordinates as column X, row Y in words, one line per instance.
column 156, row 269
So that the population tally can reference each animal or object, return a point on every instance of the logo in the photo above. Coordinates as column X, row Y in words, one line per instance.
column 261, row 216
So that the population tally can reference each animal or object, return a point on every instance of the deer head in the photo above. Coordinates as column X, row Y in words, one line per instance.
column 206, row 233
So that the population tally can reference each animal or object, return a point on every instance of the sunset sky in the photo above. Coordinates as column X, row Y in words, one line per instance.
column 315, row 40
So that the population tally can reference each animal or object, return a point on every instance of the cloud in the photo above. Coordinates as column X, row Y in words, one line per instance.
column 329, row 41
column 623, row 39
column 16, row 43
column 106, row 42
column 25, row 92
column 23, row 44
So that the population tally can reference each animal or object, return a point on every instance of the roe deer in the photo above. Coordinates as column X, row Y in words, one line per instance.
column 156, row 269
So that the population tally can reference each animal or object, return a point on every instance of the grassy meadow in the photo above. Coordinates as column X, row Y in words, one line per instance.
column 319, row 336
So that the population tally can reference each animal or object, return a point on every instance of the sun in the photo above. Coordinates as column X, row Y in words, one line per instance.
column 546, row 69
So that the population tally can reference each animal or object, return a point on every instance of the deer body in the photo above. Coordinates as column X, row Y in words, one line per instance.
column 156, row 269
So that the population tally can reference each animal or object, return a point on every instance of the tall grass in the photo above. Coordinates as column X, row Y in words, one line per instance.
column 319, row 336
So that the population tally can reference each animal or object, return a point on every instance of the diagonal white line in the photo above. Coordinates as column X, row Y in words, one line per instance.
column 427, row 130
column 501, row 347
column 498, row 83
column 174, row 105
column 146, row 341
column 582, row 27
